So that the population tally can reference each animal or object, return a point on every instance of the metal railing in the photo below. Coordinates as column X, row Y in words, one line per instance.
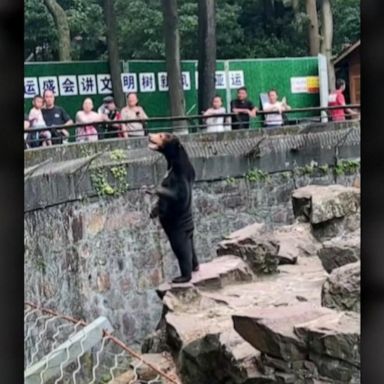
column 195, row 122
column 60, row 349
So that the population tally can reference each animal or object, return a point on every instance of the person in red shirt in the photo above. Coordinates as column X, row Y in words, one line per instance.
column 337, row 98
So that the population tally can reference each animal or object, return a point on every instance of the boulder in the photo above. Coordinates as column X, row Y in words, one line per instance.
column 215, row 274
column 341, row 290
column 295, row 241
column 334, row 370
column 340, row 251
column 251, row 230
column 258, row 251
column 162, row 361
column 335, row 335
column 271, row 330
column 319, row 204
column 221, row 358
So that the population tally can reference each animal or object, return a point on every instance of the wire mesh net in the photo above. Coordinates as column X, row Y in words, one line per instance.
column 56, row 351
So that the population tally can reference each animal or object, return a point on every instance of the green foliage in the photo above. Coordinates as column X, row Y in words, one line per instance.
column 86, row 23
column 231, row 181
column 112, row 183
column 245, row 28
column 39, row 31
column 347, row 167
column 256, row 175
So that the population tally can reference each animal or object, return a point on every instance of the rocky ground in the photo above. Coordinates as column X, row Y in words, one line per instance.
column 276, row 306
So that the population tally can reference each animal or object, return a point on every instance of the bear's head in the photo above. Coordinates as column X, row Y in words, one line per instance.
column 172, row 149
column 166, row 143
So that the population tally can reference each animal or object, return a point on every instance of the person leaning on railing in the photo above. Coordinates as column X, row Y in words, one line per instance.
column 243, row 108
column 133, row 111
column 54, row 115
column 84, row 116
column 215, row 123
column 337, row 98
column 273, row 105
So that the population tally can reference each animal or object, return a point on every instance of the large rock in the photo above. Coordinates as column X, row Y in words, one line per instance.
column 162, row 361
column 221, row 358
column 295, row 241
column 335, row 371
column 271, row 330
column 319, row 204
column 341, row 290
column 246, row 232
column 258, row 251
column 336, row 335
column 209, row 351
column 215, row 274
column 340, row 251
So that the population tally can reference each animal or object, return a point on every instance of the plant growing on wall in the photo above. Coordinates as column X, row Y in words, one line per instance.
column 111, row 181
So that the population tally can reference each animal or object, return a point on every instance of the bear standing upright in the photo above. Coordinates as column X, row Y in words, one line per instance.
column 174, row 205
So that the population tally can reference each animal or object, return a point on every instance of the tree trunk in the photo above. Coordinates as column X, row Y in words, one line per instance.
column 62, row 26
column 313, row 28
column 327, row 36
column 172, row 53
column 207, row 53
column 113, row 53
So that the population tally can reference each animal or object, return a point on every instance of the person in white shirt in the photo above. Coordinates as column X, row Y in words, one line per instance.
column 37, row 121
column 215, row 123
column 275, row 119
column 132, row 111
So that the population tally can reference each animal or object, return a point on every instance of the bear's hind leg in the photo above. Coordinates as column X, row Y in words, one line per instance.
column 195, row 262
column 181, row 246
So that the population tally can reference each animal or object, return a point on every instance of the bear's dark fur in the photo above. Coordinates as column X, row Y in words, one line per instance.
column 174, row 205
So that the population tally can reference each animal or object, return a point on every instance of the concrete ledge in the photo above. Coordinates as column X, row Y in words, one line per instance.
column 76, row 150
column 233, row 155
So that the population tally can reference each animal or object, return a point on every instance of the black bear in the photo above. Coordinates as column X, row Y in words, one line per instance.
column 174, row 205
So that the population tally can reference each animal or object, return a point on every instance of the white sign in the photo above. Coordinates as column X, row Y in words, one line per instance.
column 31, row 87
column 147, row 82
column 162, row 79
column 49, row 82
column 68, row 85
column 129, row 82
column 299, row 85
column 87, row 84
column 220, row 80
column 104, row 84
column 186, row 80
column 236, row 79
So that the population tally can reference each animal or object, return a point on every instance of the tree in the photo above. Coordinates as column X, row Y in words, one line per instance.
column 207, row 53
column 113, row 53
column 326, row 42
column 172, row 51
column 62, row 27
column 313, row 28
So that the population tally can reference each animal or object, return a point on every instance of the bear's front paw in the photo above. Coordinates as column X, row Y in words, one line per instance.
column 154, row 213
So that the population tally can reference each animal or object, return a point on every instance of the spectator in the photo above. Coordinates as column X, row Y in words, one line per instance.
column 134, row 112
column 37, row 121
column 215, row 124
column 26, row 127
column 275, row 119
column 32, row 136
column 111, row 113
column 85, row 116
column 336, row 98
column 103, row 109
column 243, row 108
column 54, row 115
